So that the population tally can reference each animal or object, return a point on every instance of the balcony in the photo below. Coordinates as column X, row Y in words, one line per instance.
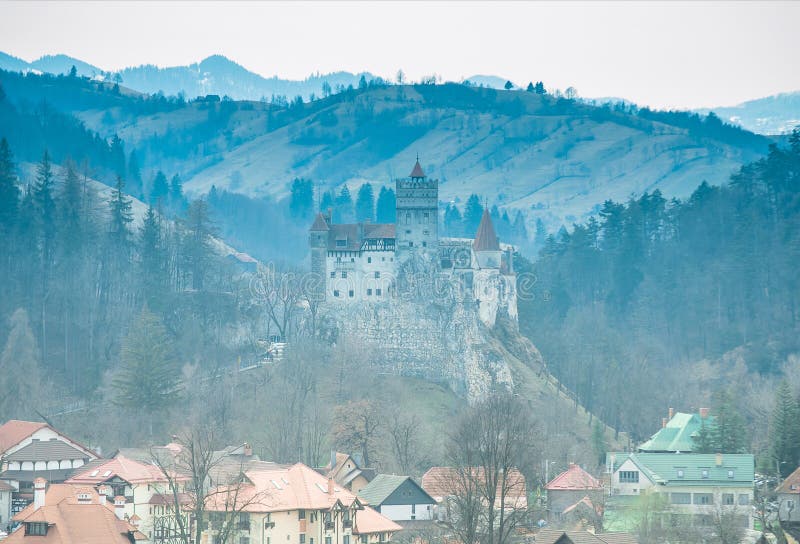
column 329, row 525
column 347, row 524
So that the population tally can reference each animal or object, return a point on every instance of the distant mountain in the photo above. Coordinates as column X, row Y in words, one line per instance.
column 214, row 75
column 777, row 114
column 552, row 158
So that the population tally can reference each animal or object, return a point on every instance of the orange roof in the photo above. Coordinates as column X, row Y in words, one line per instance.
column 277, row 488
column 485, row 238
column 73, row 522
column 134, row 472
column 441, row 482
column 417, row 171
column 791, row 484
column 573, row 479
column 14, row 431
column 369, row 521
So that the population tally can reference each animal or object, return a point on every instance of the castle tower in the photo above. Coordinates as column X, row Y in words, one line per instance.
column 318, row 242
column 486, row 245
column 417, row 228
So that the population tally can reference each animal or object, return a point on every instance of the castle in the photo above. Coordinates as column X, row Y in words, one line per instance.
column 363, row 262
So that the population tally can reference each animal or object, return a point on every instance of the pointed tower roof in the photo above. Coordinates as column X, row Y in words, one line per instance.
column 319, row 223
column 417, row 171
column 485, row 238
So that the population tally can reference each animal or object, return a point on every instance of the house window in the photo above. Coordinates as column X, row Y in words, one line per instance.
column 377, row 275
column 350, row 293
column 36, row 529
column 336, row 292
column 704, row 473
column 680, row 473
column 680, row 498
column 629, row 476
column 377, row 292
column 728, row 499
column 364, row 539
column 344, row 273
column 301, row 514
column 413, row 508
column 369, row 292
column 703, row 498
column 302, row 538
column 328, row 540
column 346, row 539
column 382, row 537
column 744, row 499
column 730, row 474
column 244, row 540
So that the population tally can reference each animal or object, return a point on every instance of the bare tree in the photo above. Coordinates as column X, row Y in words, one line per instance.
column 403, row 432
column 492, row 446
column 769, row 518
column 281, row 293
column 356, row 426
column 202, row 486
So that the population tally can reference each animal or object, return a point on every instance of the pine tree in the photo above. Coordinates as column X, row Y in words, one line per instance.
column 9, row 192
column 301, row 200
column 783, row 432
column 365, row 203
column 473, row 211
column 326, row 202
column 153, row 260
column 386, row 208
column 530, row 87
column 45, row 203
column 149, row 378
column 177, row 201
column 729, row 431
column 343, row 210
column 196, row 244
column 160, row 189
column 121, row 218
column 453, row 222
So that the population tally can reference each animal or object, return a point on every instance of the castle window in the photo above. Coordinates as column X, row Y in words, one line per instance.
column 333, row 274
column 336, row 292
column 350, row 293
column 424, row 244
column 411, row 244
column 369, row 292
column 425, row 218
column 341, row 242
column 344, row 273
column 426, row 232
column 377, row 292
column 408, row 218
column 377, row 275
column 352, row 259
column 369, row 259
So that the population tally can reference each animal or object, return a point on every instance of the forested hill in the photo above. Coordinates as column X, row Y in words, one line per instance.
column 629, row 305
column 552, row 158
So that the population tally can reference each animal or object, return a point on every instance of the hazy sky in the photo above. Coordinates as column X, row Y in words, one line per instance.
column 665, row 54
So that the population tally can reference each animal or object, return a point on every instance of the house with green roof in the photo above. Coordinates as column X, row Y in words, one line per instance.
column 399, row 498
column 695, row 484
column 678, row 432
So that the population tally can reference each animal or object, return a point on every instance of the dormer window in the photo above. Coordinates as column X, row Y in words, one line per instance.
column 680, row 473
column 730, row 474
column 341, row 242
column 36, row 528
column 704, row 473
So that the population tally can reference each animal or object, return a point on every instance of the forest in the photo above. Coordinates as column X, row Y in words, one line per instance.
column 660, row 302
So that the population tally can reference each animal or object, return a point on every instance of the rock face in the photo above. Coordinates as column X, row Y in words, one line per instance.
column 443, row 334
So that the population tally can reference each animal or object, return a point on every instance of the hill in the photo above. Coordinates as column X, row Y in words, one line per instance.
column 777, row 114
column 554, row 159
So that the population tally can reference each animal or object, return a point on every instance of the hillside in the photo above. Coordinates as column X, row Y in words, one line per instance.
column 554, row 159
column 777, row 114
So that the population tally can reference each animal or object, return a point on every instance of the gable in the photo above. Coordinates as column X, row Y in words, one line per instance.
column 409, row 493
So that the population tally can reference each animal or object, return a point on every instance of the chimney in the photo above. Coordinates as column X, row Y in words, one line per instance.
column 248, row 450
column 663, row 422
column 119, row 506
column 671, row 412
column 39, row 487
column 104, row 491
column 719, row 459
column 703, row 413
column 330, row 487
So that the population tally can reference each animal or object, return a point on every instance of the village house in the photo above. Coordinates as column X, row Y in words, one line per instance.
column 573, row 491
column 294, row 503
column 678, row 433
column 63, row 513
column 346, row 471
column 399, row 498
column 695, row 484
column 789, row 498
column 30, row 450
column 141, row 484
column 558, row 536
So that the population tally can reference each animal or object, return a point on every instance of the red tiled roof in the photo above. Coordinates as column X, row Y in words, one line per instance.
column 485, row 238
column 574, row 479
column 791, row 484
column 417, row 171
column 369, row 521
column 14, row 431
column 73, row 522
column 130, row 470
column 440, row 482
